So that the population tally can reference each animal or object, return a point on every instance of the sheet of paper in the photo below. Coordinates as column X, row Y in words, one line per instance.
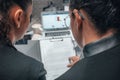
column 55, row 53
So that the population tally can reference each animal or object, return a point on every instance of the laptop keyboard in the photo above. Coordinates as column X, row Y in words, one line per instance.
column 49, row 34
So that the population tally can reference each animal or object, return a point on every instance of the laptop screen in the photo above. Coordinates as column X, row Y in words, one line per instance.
column 58, row 20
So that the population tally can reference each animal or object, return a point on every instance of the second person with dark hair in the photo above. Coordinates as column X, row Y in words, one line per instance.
column 95, row 25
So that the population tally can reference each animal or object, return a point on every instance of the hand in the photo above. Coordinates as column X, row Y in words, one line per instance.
column 73, row 60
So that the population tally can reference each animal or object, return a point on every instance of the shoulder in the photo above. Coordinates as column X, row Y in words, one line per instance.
column 33, row 63
column 102, row 62
column 35, row 68
column 30, row 66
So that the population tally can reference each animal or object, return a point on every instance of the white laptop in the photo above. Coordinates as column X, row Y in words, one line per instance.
column 55, row 23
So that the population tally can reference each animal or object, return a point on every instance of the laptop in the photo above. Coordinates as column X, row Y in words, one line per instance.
column 55, row 23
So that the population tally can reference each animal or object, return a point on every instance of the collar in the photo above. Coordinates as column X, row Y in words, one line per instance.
column 9, row 44
column 101, row 45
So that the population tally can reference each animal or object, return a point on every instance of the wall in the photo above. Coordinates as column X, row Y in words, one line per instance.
column 38, row 6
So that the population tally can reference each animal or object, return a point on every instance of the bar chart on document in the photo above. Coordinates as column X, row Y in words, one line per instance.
column 55, row 54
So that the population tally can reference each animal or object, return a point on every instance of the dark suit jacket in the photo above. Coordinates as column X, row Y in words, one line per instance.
column 103, row 66
column 16, row 66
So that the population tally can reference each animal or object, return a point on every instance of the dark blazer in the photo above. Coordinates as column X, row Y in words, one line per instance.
column 16, row 66
column 103, row 66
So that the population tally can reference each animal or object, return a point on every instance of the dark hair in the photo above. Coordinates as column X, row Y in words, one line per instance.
column 105, row 14
column 5, row 23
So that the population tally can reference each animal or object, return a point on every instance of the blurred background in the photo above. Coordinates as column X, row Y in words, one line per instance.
column 46, row 5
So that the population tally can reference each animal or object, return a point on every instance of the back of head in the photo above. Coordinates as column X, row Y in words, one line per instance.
column 5, row 23
column 105, row 14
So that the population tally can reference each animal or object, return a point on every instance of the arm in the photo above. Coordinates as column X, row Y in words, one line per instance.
column 42, row 77
column 42, row 73
column 37, row 71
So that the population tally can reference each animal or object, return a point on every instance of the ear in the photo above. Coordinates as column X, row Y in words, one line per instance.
column 78, row 18
column 18, row 17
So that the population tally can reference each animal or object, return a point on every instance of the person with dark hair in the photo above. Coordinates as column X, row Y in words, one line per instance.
column 14, row 20
column 95, row 25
